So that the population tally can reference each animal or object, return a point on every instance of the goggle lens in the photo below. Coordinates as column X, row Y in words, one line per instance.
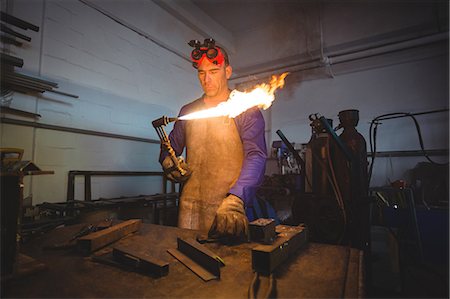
column 212, row 53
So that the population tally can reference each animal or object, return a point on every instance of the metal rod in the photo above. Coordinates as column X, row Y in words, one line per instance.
column 115, row 173
column 414, row 114
column 344, row 56
column 17, row 22
column 12, row 76
column 9, row 40
column 11, row 60
column 74, row 130
column 136, row 30
column 20, row 75
column 37, row 86
column 336, row 138
column 19, row 112
column 64, row 93
column 292, row 149
column 23, row 87
column 8, row 30
column 413, row 153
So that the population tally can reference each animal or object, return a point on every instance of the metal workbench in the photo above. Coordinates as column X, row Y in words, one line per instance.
column 317, row 270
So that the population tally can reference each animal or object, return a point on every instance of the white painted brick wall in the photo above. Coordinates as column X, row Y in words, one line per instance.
column 123, row 81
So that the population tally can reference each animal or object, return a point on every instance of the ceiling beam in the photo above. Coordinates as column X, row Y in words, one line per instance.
column 198, row 21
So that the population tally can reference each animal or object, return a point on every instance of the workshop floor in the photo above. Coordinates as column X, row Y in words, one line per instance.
column 419, row 281
column 396, row 273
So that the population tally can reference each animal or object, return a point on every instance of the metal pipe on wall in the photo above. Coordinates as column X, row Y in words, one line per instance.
column 341, row 56
column 5, row 120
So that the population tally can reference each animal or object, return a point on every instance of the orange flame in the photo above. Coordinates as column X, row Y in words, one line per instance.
column 261, row 95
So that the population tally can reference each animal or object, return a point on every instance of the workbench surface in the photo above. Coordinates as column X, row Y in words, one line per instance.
column 316, row 270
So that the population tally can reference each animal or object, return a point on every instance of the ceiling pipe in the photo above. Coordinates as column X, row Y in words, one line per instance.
column 351, row 55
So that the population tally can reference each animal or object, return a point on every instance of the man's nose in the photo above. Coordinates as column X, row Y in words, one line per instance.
column 207, row 77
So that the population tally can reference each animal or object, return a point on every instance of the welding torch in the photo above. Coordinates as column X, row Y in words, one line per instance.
column 159, row 125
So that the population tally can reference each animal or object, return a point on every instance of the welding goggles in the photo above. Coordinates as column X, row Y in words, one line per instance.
column 208, row 49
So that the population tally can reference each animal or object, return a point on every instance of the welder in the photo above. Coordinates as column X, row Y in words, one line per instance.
column 225, row 157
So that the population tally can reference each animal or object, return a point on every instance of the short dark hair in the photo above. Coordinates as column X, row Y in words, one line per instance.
column 225, row 55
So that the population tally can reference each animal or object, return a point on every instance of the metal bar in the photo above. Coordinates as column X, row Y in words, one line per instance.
column 200, row 254
column 41, row 87
column 79, row 204
column 164, row 184
column 74, row 130
column 9, row 40
column 14, row 76
column 262, row 231
column 197, row 258
column 87, row 187
column 17, row 22
column 18, row 81
column 19, row 112
column 250, row 75
column 64, row 94
column 266, row 258
column 336, row 138
column 21, row 87
column 414, row 114
column 8, row 30
column 140, row 262
column 46, row 82
column 11, row 60
column 412, row 153
column 71, row 187
column 136, row 30
column 96, row 240
column 292, row 150
column 116, row 173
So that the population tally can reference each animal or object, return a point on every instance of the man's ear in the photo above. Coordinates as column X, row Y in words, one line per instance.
column 228, row 71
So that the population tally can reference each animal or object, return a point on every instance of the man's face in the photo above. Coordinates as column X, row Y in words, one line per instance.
column 214, row 79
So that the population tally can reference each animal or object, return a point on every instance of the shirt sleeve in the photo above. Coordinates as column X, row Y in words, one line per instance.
column 250, row 125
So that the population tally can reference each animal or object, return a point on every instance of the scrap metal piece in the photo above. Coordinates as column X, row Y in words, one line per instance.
column 199, row 259
column 262, row 231
column 266, row 258
column 96, row 240
column 140, row 262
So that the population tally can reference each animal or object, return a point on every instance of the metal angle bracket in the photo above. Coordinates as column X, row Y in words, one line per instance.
column 140, row 261
column 199, row 259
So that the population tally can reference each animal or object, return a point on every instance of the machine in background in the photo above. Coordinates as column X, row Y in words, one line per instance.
column 327, row 186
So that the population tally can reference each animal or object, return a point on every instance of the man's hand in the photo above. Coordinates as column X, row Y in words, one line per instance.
column 230, row 220
column 172, row 172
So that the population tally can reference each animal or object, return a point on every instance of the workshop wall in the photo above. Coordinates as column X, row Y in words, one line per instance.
column 127, row 62
column 416, row 86
column 125, row 74
column 385, row 57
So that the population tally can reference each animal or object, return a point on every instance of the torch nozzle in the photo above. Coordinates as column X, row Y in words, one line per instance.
column 163, row 121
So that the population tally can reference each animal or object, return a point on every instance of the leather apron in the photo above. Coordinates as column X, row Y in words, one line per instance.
column 214, row 153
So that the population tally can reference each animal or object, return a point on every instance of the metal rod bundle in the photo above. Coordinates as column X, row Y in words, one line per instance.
column 24, row 83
